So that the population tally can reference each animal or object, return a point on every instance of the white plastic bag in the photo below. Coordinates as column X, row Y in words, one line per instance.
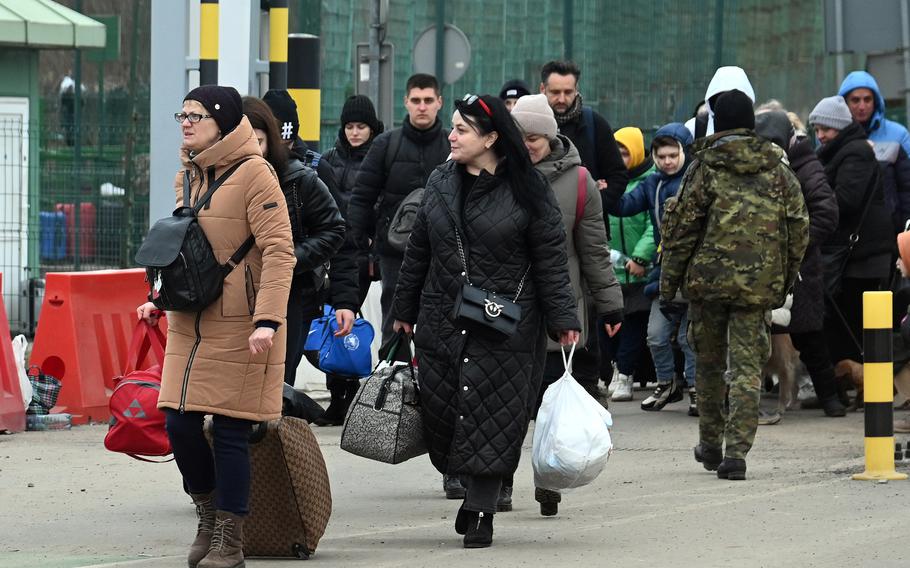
column 571, row 437
column 20, row 344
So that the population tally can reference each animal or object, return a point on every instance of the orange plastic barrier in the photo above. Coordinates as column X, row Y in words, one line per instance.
column 12, row 411
column 83, row 336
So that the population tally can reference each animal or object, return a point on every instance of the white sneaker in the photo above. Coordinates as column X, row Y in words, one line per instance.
column 623, row 390
column 806, row 389
column 612, row 386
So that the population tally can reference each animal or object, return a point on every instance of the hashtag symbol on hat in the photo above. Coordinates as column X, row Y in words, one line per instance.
column 286, row 130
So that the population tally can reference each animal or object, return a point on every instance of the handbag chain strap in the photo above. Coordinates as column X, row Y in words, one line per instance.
column 464, row 262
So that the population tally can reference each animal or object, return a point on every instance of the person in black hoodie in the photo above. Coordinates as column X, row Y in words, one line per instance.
column 808, row 312
column 317, row 228
column 854, row 174
column 397, row 163
column 352, row 270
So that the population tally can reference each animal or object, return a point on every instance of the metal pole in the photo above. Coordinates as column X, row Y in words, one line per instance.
column 375, row 26
column 208, row 42
column 126, row 246
column 718, row 33
column 101, row 116
column 77, row 153
column 839, row 39
column 440, row 41
column 905, row 45
column 303, row 84
column 278, row 44
column 568, row 28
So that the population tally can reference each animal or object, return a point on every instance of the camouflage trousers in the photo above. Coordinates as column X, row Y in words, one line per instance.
column 715, row 330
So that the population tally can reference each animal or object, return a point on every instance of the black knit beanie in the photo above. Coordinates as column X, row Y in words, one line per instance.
column 359, row 108
column 223, row 103
column 285, row 110
column 514, row 89
column 733, row 109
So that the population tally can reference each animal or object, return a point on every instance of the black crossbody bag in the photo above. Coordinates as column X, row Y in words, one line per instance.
column 488, row 309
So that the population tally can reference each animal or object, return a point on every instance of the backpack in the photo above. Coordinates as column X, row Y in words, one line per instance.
column 403, row 221
column 137, row 424
column 180, row 266
column 587, row 117
column 582, row 195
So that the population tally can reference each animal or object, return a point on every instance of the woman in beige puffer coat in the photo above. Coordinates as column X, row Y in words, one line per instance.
column 227, row 360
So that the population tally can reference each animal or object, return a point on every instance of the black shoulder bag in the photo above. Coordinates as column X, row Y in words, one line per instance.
column 481, row 307
column 180, row 266
column 835, row 258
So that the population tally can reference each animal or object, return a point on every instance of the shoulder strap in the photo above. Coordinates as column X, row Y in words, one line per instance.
column 587, row 116
column 186, row 188
column 854, row 236
column 391, row 151
column 582, row 195
column 213, row 186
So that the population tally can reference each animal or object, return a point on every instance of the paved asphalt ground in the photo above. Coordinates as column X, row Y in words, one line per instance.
column 66, row 502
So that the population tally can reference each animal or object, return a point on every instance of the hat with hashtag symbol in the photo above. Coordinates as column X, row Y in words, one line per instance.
column 223, row 103
column 285, row 110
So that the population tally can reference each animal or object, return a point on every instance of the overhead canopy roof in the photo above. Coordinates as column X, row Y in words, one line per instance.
column 44, row 23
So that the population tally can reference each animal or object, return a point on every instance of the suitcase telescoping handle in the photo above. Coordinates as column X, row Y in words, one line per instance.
column 257, row 434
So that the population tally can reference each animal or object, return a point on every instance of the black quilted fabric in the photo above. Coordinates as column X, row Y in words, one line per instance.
column 478, row 387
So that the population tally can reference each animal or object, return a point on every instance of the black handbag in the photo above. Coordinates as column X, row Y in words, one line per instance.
column 482, row 307
column 835, row 258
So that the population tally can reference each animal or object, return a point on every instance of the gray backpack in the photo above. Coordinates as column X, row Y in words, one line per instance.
column 403, row 221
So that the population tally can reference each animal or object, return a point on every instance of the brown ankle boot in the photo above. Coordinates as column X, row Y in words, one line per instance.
column 226, row 550
column 205, row 511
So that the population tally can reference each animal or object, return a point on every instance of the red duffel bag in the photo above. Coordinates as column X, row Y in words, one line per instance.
column 137, row 425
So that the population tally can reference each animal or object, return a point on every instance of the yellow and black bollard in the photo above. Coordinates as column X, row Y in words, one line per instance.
column 878, row 385
column 208, row 42
column 278, row 44
column 303, row 84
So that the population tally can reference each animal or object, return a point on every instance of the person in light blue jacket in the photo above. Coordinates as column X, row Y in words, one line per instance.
column 889, row 139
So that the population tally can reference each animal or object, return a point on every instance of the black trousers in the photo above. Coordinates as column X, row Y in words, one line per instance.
column 227, row 469
column 303, row 308
column 481, row 492
column 845, row 341
column 389, row 266
column 813, row 352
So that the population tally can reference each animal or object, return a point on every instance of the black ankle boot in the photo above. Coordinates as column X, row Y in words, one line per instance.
column 480, row 532
column 549, row 501
column 463, row 520
column 709, row 457
column 732, row 468
column 334, row 414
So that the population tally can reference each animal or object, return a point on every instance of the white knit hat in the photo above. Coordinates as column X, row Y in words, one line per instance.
column 831, row 112
column 534, row 116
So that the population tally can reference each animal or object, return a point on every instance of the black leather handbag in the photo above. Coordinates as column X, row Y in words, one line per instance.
column 482, row 307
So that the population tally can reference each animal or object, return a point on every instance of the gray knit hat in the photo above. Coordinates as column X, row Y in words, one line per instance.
column 534, row 116
column 831, row 112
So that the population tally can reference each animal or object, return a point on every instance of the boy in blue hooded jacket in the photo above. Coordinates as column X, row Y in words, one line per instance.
column 668, row 151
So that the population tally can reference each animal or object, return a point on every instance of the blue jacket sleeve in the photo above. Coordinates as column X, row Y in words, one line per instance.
column 633, row 202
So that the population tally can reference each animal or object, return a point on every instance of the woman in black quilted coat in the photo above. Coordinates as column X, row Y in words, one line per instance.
column 478, row 386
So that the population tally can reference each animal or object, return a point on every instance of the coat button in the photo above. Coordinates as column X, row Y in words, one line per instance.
column 465, row 359
column 465, row 388
column 460, row 417
column 464, row 331
column 462, row 273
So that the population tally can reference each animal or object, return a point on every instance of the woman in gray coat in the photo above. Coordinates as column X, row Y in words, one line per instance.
column 597, row 292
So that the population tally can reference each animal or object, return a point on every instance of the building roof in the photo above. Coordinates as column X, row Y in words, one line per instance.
column 47, row 24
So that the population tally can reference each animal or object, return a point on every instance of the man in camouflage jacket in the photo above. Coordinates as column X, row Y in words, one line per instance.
column 733, row 240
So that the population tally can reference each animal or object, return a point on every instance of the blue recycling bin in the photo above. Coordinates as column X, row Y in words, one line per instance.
column 52, row 231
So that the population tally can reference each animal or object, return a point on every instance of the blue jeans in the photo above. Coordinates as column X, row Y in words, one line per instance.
column 660, row 331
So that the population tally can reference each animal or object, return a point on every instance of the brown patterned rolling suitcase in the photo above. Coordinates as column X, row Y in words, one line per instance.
column 290, row 497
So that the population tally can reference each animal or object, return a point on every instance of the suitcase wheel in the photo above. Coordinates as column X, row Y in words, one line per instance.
column 300, row 551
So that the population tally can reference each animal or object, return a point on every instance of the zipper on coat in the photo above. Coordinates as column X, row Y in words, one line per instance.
column 622, row 243
column 189, row 365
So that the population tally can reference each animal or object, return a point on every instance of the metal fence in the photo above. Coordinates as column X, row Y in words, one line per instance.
column 72, row 196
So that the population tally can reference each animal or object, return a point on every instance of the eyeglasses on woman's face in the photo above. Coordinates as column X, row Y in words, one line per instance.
column 193, row 117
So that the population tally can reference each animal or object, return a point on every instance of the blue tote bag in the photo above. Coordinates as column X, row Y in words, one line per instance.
column 349, row 356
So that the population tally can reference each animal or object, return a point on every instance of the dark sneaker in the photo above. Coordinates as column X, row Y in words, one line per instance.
column 453, row 487
column 549, row 501
column 708, row 457
column 693, row 402
column 732, row 468
column 505, row 499
column 833, row 407
column 663, row 395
